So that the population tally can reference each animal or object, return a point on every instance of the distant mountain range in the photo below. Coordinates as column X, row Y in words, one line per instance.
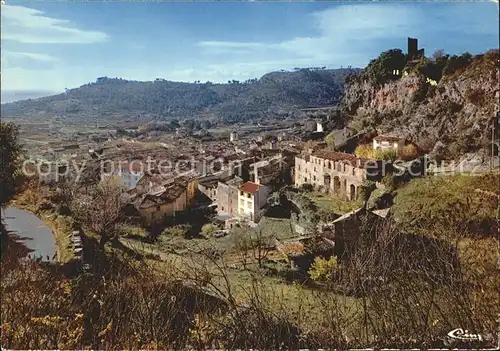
column 10, row 96
column 274, row 93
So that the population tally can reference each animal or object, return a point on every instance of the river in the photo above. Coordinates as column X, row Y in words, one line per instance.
column 30, row 231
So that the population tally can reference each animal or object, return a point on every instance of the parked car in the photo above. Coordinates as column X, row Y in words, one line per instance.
column 220, row 233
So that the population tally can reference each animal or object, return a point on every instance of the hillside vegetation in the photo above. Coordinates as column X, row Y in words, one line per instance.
column 275, row 93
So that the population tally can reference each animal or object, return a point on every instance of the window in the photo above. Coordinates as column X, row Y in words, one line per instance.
column 353, row 171
column 314, row 178
column 314, row 169
column 298, row 167
column 158, row 208
column 241, row 193
column 249, row 196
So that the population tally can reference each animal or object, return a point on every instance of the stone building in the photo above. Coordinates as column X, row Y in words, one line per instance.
column 385, row 142
column 336, row 172
column 233, row 136
column 155, row 207
column 209, row 188
column 252, row 198
column 414, row 53
column 227, row 196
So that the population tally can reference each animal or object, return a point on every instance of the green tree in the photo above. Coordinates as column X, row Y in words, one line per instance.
column 366, row 190
column 364, row 151
column 389, row 154
column 306, row 187
column 432, row 69
column 208, row 229
column 10, row 152
column 456, row 63
column 330, row 141
column 381, row 69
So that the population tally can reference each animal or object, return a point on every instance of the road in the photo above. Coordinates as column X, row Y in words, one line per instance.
column 32, row 232
column 36, row 141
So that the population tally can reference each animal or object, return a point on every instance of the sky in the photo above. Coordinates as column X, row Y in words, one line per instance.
column 50, row 46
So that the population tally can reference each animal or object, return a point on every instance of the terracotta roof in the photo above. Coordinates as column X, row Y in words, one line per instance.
column 71, row 147
column 340, row 156
column 250, row 187
column 388, row 138
column 167, row 196
column 128, row 166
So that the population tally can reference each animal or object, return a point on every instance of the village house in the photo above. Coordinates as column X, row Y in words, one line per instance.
column 154, row 208
column 345, row 231
column 191, row 183
column 336, row 172
column 267, row 169
column 385, row 142
column 71, row 147
column 227, row 196
column 128, row 173
column 252, row 198
column 209, row 188
column 233, row 136
column 57, row 152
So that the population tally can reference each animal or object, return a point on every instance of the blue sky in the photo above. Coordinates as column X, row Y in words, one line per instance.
column 47, row 47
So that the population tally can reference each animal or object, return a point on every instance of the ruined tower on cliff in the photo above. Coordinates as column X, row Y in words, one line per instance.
column 413, row 52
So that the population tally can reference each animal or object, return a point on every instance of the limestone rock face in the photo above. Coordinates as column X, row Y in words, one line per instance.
column 459, row 108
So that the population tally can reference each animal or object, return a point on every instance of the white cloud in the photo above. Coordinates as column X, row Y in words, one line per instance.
column 29, row 55
column 30, row 26
column 350, row 35
column 337, row 42
column 230, row 44
column 26, row 70
column 345, row 35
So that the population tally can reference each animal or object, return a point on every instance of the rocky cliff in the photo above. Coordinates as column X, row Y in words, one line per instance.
column 456, row 111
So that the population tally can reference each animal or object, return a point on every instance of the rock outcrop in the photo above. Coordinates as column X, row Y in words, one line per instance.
column 458, row 110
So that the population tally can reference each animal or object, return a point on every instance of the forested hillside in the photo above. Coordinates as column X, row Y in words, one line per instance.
column 274, row 93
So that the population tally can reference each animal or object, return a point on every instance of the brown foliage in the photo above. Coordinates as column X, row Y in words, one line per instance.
column 409, row 291
column 101, row 211
column 475, row 96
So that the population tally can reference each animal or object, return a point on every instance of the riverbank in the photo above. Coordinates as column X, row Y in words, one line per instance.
column 31, row 232
column 60, row 226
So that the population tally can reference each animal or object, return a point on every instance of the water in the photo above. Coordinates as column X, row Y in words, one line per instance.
column 30, row 231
